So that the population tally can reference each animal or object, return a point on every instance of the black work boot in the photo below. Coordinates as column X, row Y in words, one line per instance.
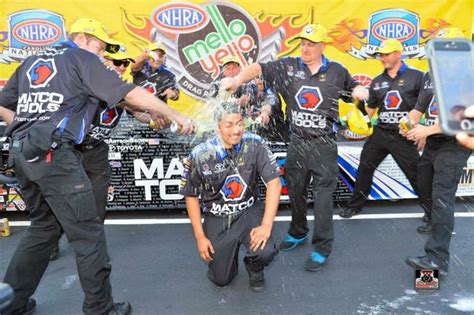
column 121, row 308
column 26, row 309
column 256, row 280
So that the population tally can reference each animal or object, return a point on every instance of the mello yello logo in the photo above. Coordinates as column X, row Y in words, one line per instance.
column 213, row 32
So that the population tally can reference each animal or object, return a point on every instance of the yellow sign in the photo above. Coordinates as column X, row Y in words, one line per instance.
column 199, row 36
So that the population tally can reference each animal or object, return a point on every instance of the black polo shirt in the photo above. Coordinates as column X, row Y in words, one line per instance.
column 395, row 97
column 60, row 89
column 427, row 104
column 226, row 180
column 103, row 124
column 156, row 82
column 312, row 100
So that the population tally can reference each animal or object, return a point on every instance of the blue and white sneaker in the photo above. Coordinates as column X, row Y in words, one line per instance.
column 315, row 261
column 291, row 242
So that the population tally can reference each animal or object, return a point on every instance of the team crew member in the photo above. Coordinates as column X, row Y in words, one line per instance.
column 55, row 95
column 439, row 170
column 394, row 92
column 94, row 149
column 223, row 171
column 150, row 72
column 245, row 94
column 310, row 86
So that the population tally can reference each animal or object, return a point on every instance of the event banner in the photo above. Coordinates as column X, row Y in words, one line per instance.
column 199, row 35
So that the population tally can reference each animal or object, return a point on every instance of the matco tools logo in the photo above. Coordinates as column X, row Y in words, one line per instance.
column 234, row 188
column 309, row 98
column 392, row 100
column 433, row 108
column 108, row 116
column 41, row 72
column 204, row 36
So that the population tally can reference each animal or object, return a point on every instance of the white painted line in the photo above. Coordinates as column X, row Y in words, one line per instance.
column 278, row 218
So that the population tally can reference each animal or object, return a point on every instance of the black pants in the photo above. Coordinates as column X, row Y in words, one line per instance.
column 57, row 194
column 226, row 235
column 380, row 144
column 317, row 160
column 97, row 167
column 439, row 171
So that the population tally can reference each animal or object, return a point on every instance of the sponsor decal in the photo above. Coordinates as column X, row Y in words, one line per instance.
column 392, row 100
column 427, row 279
column 150, row 87
column 360, row 38
column 433, row 108
column 41, row 72
column 198, row 38
column 363, row 79
column 234, row 188
column 156, row 175
column 109, row 116
column 30, row 32
column 308, row 98
column 179, row 17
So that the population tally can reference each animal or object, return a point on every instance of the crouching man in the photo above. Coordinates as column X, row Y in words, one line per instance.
column 224, row 172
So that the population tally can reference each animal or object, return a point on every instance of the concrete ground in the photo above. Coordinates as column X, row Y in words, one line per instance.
column 157, row 268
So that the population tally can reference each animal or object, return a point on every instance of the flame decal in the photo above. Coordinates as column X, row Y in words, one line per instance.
column 269, row 23
column 348, row 33
column 430, row 27
column 139, row 26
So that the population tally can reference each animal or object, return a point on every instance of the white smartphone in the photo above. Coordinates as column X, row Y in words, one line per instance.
column 451, row 70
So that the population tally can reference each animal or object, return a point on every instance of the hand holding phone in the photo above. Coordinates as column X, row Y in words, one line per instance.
column 451, row 70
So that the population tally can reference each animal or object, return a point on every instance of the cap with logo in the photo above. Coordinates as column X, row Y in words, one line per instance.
column 315, row 33
column 230, row 59
column 121, row 54
column 389, row 46
column 157, row 46
column 92, row 27
column 450, row 32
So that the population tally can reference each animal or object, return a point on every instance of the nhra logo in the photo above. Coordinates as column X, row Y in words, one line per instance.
column 35, row 28
column 108, row 116
column 41, row 72
column 393, row 100
column 394, row 23
column 309, row 98
column 150, row 87
column 433, row 108
column 234, row 188
column 180, row 17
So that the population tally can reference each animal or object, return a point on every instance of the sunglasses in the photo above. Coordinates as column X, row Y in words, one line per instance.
column 118, row 63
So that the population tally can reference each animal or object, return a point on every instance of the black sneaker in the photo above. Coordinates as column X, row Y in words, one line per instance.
column 424, row 262
column 256, row 281
column 26, row 309
column 349, row 212
column 291, row 242
column 315, row 262
column 424, row 229
column 54, row 254
column 121, row 308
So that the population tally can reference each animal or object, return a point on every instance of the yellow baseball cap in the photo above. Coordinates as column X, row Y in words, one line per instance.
column 156, row 46
column 389, row 46
column 315, row 33
column 230, row 59
column 92, row 27
column 450, row 32
column 121, row 54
